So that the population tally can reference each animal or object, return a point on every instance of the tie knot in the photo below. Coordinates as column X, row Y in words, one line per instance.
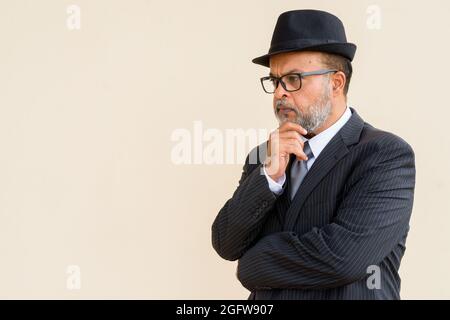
column 307, row 150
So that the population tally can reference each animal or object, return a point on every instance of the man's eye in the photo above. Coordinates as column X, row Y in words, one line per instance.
column 292, row 79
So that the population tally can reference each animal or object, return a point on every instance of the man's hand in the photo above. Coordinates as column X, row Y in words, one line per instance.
column 282, row 143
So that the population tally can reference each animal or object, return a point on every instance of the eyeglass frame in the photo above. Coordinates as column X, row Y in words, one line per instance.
column 299, row 74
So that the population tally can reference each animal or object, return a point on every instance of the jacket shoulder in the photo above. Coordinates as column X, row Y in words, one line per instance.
column 378, row 138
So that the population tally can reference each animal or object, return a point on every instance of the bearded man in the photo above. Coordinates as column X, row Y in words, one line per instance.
column 322, row 208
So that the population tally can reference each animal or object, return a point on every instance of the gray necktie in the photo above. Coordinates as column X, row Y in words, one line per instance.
column 299, row 170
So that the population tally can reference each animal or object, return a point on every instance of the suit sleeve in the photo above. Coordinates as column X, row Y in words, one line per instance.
column 371, row 220
column 239, row 222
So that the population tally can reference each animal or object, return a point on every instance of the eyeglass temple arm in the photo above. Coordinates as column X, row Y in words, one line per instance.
column 313, row 73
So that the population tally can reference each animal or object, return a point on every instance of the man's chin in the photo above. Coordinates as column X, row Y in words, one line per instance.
column 284, row 119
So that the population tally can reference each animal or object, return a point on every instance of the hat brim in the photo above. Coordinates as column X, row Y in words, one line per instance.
column 346, row 50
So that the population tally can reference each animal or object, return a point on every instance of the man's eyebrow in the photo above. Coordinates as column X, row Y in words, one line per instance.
column 291, row 71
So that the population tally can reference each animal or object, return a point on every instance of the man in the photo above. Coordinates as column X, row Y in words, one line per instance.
column 322, row 209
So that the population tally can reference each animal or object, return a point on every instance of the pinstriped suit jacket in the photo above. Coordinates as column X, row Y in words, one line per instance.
column 351, row 212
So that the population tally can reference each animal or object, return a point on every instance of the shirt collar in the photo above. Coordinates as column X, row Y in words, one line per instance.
column 319, row 142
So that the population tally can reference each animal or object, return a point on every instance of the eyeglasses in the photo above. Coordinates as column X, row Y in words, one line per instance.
column 291, row 81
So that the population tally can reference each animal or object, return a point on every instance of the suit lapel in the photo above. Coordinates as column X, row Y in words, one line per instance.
column 335, row 150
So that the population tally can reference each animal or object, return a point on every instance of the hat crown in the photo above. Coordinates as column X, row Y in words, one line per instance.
column 308, row 30
column 312, row 25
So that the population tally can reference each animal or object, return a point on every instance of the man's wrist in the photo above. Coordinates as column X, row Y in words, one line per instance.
column 275, row 185
column 271, row 172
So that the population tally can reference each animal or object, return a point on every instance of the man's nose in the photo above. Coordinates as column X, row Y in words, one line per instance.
column 280, row 92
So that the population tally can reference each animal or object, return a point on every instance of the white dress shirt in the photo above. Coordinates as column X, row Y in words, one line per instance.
column 317, row 144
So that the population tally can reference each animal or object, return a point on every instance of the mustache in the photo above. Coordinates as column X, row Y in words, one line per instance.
column 285, row 105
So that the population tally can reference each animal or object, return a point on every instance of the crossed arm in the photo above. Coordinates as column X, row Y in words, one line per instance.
column 371, row 220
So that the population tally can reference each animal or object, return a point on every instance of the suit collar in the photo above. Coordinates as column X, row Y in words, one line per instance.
column 351, row 131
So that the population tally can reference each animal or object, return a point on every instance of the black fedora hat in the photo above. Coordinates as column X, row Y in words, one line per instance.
column 308, row 30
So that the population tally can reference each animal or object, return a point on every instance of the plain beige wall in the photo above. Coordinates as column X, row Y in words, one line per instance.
column 87, row 116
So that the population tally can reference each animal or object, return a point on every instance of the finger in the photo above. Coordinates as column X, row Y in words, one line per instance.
column 291, row 135
column 286, row 142
column 293, row 149
column 294, row 142
column 290, row 126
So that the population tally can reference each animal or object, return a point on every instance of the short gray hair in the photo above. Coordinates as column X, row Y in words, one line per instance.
column 337, row 62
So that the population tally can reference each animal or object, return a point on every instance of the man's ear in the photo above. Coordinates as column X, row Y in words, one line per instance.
column 338, row 82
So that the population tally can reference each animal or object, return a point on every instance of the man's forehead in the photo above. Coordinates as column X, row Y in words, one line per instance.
column 283, row 72
column 294, row 62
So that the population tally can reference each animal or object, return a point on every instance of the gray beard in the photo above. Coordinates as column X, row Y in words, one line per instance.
column 313, row 118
